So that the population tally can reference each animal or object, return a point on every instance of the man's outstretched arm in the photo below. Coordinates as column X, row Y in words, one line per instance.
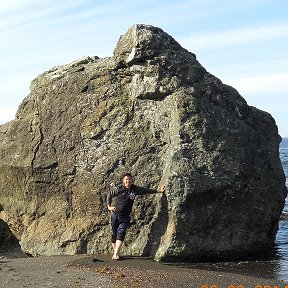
column 143, row 190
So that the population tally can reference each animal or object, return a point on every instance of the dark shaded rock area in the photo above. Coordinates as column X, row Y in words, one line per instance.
column 7, row 239
column 153, row 110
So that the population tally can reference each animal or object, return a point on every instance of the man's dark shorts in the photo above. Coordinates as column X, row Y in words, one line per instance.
column 119, row 224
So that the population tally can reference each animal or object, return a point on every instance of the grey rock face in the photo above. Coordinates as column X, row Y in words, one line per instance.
column 153, row 110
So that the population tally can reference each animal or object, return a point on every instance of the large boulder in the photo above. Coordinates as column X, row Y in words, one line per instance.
column 153, row 110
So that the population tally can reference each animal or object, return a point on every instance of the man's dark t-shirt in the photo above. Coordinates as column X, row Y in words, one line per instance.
column 125, row 197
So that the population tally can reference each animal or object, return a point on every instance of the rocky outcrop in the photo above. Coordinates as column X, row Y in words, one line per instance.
column 153, row 110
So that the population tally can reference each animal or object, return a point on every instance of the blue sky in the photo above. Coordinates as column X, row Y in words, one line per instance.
column 244, row 42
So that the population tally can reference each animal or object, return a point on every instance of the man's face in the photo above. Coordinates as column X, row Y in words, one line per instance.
column 127, row 181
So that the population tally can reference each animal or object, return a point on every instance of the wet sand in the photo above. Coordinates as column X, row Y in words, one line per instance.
column 101, row 271
column 143, row 272
column 47, row 272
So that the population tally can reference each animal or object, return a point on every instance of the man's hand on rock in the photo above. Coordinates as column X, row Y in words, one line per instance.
column 111, row 208
column 162, row 189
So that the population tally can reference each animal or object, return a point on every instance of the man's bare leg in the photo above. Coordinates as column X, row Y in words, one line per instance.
column 118, row 245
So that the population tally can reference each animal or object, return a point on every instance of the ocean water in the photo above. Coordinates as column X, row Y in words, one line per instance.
column 282, row 235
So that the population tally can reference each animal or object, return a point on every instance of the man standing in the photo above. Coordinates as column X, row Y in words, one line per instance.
column 120, row 213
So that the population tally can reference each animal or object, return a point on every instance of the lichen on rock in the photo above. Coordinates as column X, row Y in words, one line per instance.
column 151, row 109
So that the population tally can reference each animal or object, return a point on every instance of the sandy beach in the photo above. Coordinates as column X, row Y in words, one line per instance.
column 47, row 272
column 101, row 271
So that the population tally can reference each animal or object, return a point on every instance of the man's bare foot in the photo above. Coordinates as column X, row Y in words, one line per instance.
column 115, row 257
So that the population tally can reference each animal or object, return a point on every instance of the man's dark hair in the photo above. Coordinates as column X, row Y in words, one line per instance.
column 127, row 174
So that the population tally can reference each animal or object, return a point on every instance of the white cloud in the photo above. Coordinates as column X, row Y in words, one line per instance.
column 7, row 5
column 21, row 16
column 7, row 113
column 261, row 84
column 236, row 36
column 274, row 64
column 14, row 86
